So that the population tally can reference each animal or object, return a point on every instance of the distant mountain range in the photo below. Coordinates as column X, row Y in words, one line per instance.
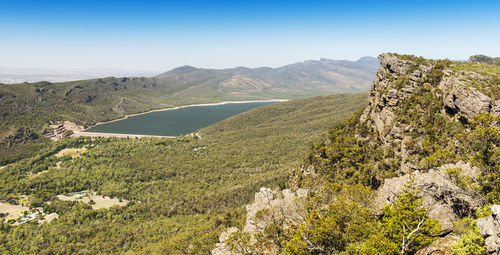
column 308, row 78
column 11, row 75
column 324, row 74
column 86, row 102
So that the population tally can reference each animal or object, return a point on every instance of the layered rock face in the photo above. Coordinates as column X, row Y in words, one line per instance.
column 397, row 79
column 466, row 102
column 384, row 96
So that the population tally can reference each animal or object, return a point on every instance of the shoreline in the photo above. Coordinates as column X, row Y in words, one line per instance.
column 100, row 134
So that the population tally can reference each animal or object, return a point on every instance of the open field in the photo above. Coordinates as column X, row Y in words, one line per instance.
column 99, row 201
column 50, row 217
column 13, row 211
column 73, row 152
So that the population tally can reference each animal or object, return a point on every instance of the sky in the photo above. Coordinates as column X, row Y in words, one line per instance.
column 161, row 35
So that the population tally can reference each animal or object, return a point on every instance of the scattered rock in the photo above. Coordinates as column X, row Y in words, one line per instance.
column 489, row 227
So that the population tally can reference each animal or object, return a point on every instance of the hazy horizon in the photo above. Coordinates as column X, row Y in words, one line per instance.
column 159, row 36
column 13, row 75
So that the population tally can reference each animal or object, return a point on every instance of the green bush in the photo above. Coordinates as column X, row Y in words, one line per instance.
column 471, row 243
column 407, row 214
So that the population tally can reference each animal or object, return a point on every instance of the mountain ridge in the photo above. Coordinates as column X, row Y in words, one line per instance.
column 308, row 77
column 189, row 68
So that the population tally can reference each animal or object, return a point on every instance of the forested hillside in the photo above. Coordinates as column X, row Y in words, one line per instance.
column 181, row 192
column 416, row 172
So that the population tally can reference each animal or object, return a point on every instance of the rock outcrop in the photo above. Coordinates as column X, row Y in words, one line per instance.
column 269, row 206
column 464, row 101
column 482, row 59
column 398, row 79
column 442, row 246
column 62, row 130
column 221, row 247
column 19, row 135
column 446, row 201
column 384, row 97
column 409, row 98
column 489, row 227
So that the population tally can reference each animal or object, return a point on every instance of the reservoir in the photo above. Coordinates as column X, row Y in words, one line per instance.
column 174, row 122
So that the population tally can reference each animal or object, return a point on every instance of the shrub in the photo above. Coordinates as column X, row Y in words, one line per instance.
column 471, row 243
column 408, row 214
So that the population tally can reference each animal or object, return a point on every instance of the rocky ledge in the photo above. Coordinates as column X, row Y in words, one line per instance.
column 269, row 205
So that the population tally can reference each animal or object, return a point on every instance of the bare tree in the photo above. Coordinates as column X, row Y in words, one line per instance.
column 408, row 239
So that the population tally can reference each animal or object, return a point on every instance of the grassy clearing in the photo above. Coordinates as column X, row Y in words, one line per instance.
column 98, row 202
column 12, row 211
column 71, row 152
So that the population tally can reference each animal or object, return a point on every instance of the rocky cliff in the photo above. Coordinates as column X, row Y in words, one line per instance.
column 432, row 126
column 459, row 95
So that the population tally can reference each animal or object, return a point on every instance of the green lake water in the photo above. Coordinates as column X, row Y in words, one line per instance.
column 176, row 122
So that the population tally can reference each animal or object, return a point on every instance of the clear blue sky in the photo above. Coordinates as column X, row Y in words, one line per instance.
column 154, row 35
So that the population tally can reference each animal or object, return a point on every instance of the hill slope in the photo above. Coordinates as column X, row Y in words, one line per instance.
column 184, row 191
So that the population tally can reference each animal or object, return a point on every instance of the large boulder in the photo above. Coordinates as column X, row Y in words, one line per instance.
column 442, row 246
column 467, row 101
column 446, row 201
